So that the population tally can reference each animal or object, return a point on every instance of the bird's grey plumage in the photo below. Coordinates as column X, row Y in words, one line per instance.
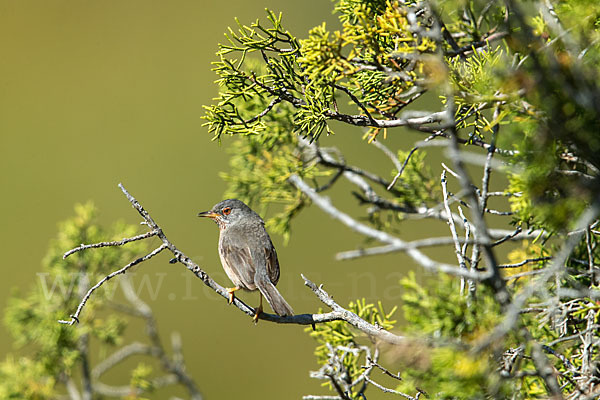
column 247, row 252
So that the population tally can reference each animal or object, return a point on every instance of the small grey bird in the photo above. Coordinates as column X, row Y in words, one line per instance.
column 247, row 253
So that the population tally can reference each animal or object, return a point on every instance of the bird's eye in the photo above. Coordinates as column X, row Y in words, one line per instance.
column 226, row 211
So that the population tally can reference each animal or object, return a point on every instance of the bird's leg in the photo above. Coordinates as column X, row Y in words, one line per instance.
column 231, row 291
column 258, row 310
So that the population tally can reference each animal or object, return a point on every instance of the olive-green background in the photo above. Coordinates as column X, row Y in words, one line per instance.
column 93, row 93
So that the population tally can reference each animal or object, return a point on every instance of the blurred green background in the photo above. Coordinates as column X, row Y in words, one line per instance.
column 93, row 93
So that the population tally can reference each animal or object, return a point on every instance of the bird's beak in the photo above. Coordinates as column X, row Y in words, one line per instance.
column 208, row 214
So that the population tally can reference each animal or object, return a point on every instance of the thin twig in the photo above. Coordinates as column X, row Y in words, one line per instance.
column 467, row 228
column 415, row 254
column 457, row 248
column 404, row 164
column 387, row 390
column 439, row 118
column 384, row 370
column 266, row 110
column 75, row 317
column 415, row 244
column 121, row 354
column 475, row 45
column 107, row 244
column 393, row 157
column 356, row 101
column 527, row 261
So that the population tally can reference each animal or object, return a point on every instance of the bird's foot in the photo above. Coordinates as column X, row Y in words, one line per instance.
column 231, row 292
column 257, row 311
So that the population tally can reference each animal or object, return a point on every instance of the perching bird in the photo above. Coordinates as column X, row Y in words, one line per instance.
column 247, row 253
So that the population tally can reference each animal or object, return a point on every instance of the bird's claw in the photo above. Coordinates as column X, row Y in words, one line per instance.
column 231, row 292
column 257, row 311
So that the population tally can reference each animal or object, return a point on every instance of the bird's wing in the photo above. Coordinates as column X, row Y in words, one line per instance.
column 237, row 263
column 272, row 264
column 266, row 280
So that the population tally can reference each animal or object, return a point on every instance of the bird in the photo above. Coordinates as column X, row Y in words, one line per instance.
column 247, row 254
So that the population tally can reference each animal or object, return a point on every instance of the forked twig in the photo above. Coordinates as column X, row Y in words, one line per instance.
column 108, row 244
column 75, row 317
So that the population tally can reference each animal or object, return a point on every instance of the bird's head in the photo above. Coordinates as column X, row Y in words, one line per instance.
column 228, row 212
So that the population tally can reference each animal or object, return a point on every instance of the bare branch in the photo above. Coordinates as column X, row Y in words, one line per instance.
column 107, row 244
column 440, row 118
column 401, row 168
column 509, row 236
column 82, row 346
column 415, row 244
column 264, row 112
column 482, row 236
column 326, row 159
column 383, row 370
column 174, row 366
column 545, row 370
column 526, row 261
column 457, row 249
column 126, row 390
column 387, row 390
column 356, row 101
column 351, row 318
column 384, row 237
column 123, row 353
column 393, row 158
column 72, row 389
column 75, row 317
column 471, row 47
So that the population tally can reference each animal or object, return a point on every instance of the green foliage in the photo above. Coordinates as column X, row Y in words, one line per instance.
column 418, row 187
column 543, row 115
column 475, row 83
column 292, row 89
column 449, row 371
column 375, row 56
column 546, row 199
column 379, row 63
column 25, row 379
column 418, row 184
column 455, row 317
column 566, row 132
column 306, row 73
column 583, row 19
column 324, row 54
column 54, row 350
column 345, row 9
column 262, row 161
column 140, row 379
column 520, row 80
column 241, row 84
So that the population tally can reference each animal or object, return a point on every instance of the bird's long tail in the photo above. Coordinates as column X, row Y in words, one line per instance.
column 275, row 299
